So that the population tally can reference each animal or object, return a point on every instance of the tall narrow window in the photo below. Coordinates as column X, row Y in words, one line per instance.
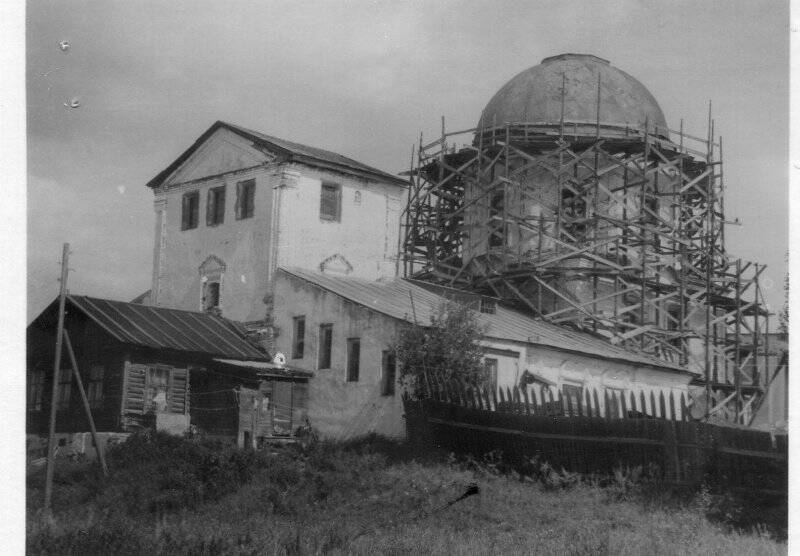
column 498, row 229
column 329, row 202
column 64, row 389
column 490, row 368
column 215, row 206
column 157, row 389
column 245, row 199
column 190, row 209
column 353, row 359
column 36, row 390
column 389, row 374
column 325, row 342
column 211, row 296
column 94, row 387
column 299, row 337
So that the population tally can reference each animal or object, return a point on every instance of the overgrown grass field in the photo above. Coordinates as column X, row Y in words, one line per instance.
column 168, row 495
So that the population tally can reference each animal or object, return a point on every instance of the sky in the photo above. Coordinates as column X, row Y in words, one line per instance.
column 362, row 78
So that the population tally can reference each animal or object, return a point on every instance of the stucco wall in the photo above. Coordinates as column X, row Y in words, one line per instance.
column 285, row 229
column 338, row 408
column 365, row 236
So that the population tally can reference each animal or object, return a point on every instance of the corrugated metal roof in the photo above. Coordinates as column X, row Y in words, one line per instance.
column 162, row 328
column 406, row 301
column 294, row 151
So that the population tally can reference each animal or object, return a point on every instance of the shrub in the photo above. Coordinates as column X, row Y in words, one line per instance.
column 446, row 348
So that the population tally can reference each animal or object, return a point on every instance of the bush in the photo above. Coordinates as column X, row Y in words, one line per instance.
column 447, row 348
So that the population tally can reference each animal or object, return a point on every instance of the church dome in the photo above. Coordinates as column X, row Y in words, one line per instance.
column 534, row 96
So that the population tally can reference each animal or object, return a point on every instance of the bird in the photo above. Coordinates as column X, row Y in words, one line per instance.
column 63, row 45
column 73, row 103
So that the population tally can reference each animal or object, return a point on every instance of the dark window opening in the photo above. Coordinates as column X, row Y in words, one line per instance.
column 245, row 199
column 329, row 205
column 389, row 375
column 64, row 389
column 497, row 237
column 490, row 368
column 325, row 343
column 614, row 397
column 215, row 206
column 299, row 338
column 190, row 209
column 353, row 359
column 211, row 296
column 94, row 387
column 36, row 391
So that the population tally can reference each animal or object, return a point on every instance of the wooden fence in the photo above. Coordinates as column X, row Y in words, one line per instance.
column 595, row 434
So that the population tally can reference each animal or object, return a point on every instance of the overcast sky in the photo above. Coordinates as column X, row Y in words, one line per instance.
column 362, row 79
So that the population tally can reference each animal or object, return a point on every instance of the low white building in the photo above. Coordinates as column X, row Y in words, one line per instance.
column 343, row 329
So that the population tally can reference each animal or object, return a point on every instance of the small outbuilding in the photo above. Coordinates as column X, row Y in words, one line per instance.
column 153, row 367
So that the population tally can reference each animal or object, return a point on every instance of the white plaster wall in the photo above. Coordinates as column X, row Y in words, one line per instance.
column 594, row 373
column 243, row 245
column 339, row 409
column 366, row 235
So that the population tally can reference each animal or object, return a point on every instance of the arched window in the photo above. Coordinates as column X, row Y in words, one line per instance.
column 211, row 272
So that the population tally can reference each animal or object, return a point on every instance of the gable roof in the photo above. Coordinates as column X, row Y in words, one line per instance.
column 162, row 328
column 294, row 152
column 406, row 301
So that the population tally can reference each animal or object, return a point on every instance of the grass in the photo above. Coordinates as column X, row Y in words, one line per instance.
column 170, row 496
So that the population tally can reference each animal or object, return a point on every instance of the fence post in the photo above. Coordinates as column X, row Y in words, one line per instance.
column 524, row 390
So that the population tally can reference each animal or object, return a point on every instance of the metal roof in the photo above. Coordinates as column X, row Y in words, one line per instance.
column 267, row 368
column 293, row 151
column 162, row 328
column 406, row 301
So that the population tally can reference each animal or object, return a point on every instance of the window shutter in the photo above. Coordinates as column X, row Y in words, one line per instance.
column 219, row 208
column 179, row 391
column 239, row 187
column 210, row 209
column 185, row 212
column 329, row 202
column 135, row 389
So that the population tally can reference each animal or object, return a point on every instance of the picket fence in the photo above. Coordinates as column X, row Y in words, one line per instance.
column 590, row 437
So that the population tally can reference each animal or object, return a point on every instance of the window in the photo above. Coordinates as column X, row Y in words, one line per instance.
column 389, row 375
column 157, row 389
column 353, row 357
column 94, row 387
column 64, row 389
column 329, row 202
column 299, row 337
column 498, row 233
column 210, row 296
column 36, row 390
column 245, row 199
column 215, row 206
column 190, row 209
column 490, row 367
column 325, row 341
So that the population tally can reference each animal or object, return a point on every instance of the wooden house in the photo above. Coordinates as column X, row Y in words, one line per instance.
column 152, row 367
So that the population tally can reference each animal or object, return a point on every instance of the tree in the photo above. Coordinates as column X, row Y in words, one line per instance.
column 446, row 348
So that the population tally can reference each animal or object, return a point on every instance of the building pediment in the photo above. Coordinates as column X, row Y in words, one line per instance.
column 222, row 152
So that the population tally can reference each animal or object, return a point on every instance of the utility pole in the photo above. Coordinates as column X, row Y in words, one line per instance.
column 48, row 485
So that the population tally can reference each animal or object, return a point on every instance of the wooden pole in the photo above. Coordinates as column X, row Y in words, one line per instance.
column 74, row 361
column 48, row 482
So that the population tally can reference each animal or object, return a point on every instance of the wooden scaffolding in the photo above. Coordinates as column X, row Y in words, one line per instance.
column 614, row 229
